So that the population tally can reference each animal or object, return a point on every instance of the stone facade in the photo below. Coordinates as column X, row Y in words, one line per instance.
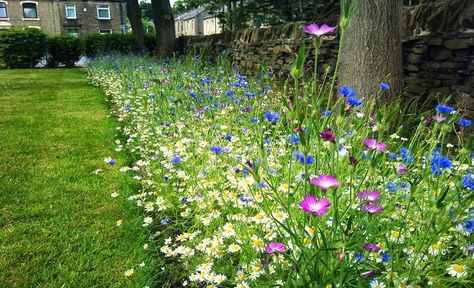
column 440, row 62
column 87, row 20
column 51, row 16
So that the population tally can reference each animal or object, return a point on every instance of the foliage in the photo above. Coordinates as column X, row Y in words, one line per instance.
column 64, row 50
column 147, row 10
column 96, row 44
column 262, row 12
column 22, row 48
column 252, row 187
column 58, row 218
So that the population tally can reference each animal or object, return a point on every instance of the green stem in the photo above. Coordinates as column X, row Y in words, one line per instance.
column 338, row 61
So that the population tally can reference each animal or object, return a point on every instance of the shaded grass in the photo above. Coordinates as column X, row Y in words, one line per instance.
column 57, row 218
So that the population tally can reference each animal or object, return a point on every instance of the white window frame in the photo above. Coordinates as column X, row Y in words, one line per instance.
column 75, row 34
column 68, row 6
column 23, row 10
column 6, row 11
column 110, row 31
column 98, row 7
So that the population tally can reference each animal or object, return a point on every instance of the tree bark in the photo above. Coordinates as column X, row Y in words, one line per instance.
column 164, row 27
column 134, row 14
column 372, row 49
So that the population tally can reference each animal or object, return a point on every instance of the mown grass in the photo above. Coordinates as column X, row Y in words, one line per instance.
column 57, row 218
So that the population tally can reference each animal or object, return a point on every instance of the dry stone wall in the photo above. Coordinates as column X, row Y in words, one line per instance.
column 439, row 62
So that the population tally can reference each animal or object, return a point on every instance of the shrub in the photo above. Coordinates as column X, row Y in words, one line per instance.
column 22, row 48
column 64, row 50
column 96, row 44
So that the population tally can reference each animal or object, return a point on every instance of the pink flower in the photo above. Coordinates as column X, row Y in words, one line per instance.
column 401, row 169
column 311, row 205
column 275, row 247
column 325, row 182
column 438, row 118
column 317, row 31
column 371, row 247
column 328, row 135
column 374, row 145
column 371, row 208
column 371, row 196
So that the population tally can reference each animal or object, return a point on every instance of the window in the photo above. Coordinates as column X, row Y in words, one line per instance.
column 71, row 11
column 74, row 32
column 105, row 31
column 103, row 12
column 3, row 10
column 29, row 10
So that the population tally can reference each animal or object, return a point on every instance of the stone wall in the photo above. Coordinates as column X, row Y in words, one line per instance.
column 440, row 62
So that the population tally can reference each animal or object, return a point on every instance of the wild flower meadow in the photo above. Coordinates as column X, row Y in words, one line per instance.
column 246, row 185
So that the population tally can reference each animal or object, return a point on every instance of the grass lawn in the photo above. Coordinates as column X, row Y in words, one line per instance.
column 57, row 218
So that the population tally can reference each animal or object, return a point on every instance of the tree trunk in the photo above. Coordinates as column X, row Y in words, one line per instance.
column 134, row 14
column 164, row 26
column 372, row 49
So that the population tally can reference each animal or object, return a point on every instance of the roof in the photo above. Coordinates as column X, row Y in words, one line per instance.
column 191, row 14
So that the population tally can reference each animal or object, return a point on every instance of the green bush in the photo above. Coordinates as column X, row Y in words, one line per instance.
column 64, row 50
column 22, row 48
column 95, row 44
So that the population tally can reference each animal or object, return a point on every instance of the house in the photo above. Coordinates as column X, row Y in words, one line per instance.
column 57, row 17
column 196, row 22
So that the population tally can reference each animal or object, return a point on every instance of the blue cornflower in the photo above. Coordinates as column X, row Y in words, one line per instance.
column 218, row 150
column 184, row 200
column 385, row 257
column 406, row 155
column 272, row 116
column 267, row 141
column 347, row 91
column 253, row 120
column 294, row 138
column 176, row 160
column 439, row 163
column 165, row 221
column 249, row 94
column 444, row 109
column 465, row 122
column 384, row 86
column 326, row 113
column 229, row 93
column 398, row 185
column 300, row 157
column 228, row 137
column 469, row 225
column 358, row 257
column 393, row 156
column 192, row 94
column 468, row 181
column 354, row 101
column 127, row 108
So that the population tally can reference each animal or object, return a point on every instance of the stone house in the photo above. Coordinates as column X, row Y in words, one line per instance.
column 197, row 22
column 73, row 17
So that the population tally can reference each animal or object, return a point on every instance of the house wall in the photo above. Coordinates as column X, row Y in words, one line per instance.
column 52, row 16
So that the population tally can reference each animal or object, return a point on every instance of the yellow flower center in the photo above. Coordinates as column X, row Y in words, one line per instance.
column 458, row 268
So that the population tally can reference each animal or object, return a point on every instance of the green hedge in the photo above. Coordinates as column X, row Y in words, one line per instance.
column 95, row 44
column 22, row 48
column 64, row 50
column 25, row 47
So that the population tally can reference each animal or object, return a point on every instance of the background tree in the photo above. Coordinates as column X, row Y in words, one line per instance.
column 164, row 27
column 147, row 10
column 372, row 49
column 135, row 16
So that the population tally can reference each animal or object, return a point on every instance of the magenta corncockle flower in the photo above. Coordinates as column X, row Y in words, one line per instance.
column 328, row 135
column 371, row 196
column 374, row 145
column 318, row 31
column 325, row 182
column 273, row 247
column 401, row 169
column 371, row 247
column 372, row 208
column 438, row 118
column 369, row 273
column 311, row 205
